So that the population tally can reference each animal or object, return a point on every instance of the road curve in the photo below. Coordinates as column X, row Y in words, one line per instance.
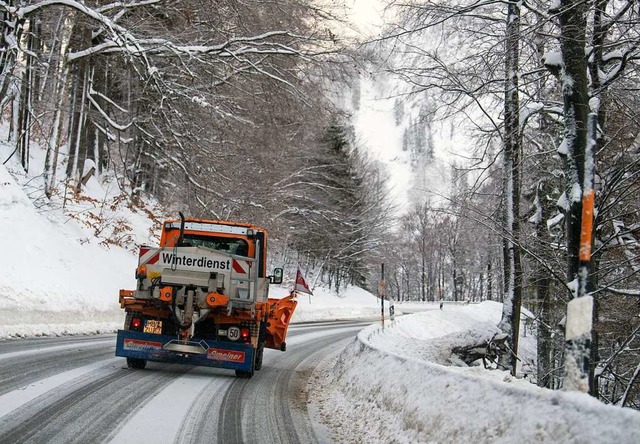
column 74, row 390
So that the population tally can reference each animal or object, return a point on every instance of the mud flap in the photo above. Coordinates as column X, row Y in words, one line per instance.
column 138, row 345
column 280, row 312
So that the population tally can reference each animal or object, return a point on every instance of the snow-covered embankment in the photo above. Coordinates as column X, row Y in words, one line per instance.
column 386, row 387
column 55, row 275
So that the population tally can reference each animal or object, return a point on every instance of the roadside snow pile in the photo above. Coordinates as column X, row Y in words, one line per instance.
column 53, row 282
column 385, row 387
column 64, row 258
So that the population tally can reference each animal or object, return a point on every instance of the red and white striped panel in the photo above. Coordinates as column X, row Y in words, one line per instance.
column 148, row 256
column 241, row 267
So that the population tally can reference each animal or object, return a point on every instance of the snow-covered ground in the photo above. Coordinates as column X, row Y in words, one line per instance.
column 397, row 385
column 56, row 276
column 402, row 385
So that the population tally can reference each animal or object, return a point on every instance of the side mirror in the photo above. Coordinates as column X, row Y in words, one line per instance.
column 276, row 278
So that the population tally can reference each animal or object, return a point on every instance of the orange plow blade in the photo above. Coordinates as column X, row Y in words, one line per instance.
column 280, row 312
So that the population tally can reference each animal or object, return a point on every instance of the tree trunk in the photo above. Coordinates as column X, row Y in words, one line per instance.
column 423, row 273
column 510, row 322
column 11, row 32
column 573, row 23
column 81, row 38
column 543, row 297
column 455, row 279
column 595, row 65
column 84, row 129
column 489, row 280
column 60, row 81
column 23, row 128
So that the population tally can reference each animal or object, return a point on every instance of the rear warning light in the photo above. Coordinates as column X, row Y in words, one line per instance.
column 141, row 272
column 136, row 323
column 245, row 334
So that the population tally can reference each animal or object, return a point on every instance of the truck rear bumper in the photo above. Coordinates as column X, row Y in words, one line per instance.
column 135, row 344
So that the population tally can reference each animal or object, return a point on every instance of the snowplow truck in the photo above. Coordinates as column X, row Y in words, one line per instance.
column 202, row 299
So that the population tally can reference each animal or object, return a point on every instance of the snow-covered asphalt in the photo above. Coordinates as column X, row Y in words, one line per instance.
column 73, row 389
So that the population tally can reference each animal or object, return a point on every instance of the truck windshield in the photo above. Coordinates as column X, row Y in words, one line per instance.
column 225, row 244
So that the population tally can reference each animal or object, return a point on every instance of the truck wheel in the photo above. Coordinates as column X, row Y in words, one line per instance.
column 136, row 363
column 259, row 355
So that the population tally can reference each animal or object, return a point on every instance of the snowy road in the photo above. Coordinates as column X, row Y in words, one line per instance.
column 73, row 389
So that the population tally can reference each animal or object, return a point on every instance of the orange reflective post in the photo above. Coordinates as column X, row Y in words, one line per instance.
column 586, row 228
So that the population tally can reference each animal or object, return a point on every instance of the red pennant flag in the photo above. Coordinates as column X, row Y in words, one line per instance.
column 301, row 285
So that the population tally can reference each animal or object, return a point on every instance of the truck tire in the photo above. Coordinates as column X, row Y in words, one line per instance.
column 249, row 374
column 136, row 363
column 259, row 356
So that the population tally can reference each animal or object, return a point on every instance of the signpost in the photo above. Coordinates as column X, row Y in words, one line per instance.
column 381, row 294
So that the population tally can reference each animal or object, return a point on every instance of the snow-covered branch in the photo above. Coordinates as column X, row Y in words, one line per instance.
column 232, row 48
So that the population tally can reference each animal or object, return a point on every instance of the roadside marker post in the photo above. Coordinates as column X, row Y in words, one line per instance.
column 381, row 294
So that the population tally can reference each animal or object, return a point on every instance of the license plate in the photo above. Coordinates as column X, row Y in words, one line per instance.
column 152, row 326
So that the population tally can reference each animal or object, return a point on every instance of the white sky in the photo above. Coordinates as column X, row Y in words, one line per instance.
column 367, row 15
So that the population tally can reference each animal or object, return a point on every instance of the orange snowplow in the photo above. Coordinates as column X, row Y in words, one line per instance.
column 202, row 298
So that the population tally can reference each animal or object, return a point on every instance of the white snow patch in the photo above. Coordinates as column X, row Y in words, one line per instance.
column 576, row 192
column 555, row 220
column 552, row 58
column 555, row 5
column 563, row 202
column 563, row 149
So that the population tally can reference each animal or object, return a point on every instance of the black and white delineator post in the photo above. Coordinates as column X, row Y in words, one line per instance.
column 381, row 294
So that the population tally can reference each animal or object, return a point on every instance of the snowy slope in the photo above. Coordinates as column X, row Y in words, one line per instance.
column 48, row 275
column 398, row 131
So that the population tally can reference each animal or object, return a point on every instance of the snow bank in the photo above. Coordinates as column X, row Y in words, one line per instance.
column 384, row 388
column 57, row 277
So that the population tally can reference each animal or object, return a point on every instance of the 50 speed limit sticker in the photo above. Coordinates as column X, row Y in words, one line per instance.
column 233, row 333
